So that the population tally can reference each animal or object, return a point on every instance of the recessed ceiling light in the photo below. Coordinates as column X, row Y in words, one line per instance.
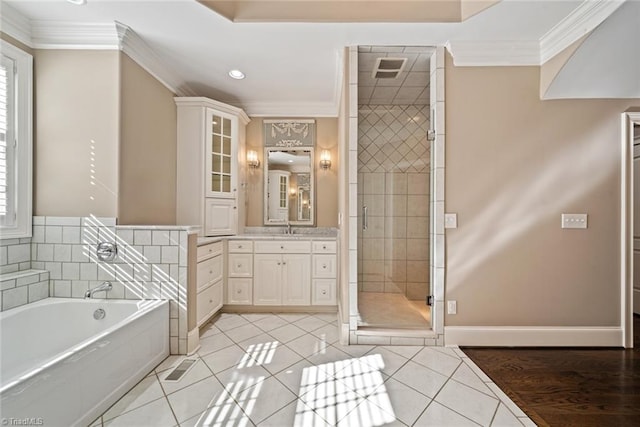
column 290, row 161
column 78, row 2
column 236, row 74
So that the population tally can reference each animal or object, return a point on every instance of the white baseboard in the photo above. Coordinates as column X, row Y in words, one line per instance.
column 636, row 301
column 532, row 336
column 193, row 341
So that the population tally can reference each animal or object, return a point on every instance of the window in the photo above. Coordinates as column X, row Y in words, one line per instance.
column 15, row 141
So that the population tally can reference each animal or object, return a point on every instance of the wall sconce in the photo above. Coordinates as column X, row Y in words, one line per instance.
column 252, row 159
column 325, row 159
column 293, row 192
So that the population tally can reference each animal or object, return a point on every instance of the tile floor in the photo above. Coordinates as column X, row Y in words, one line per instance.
column 290, row 370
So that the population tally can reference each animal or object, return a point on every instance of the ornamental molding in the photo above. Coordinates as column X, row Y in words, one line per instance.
column 289, row 133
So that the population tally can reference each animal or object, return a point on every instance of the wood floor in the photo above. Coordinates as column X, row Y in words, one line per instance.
column 569, row 386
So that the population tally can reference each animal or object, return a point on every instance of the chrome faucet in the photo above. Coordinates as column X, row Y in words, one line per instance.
column 103, row 287
column 288, row 228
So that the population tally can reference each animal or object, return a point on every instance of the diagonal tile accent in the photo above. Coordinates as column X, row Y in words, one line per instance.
column 419, row 378
column 439, row 362
column 156, row 413
column 144, row 392
column 438, row 415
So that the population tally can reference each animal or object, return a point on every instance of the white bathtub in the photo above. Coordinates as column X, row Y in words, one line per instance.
column 61, row 367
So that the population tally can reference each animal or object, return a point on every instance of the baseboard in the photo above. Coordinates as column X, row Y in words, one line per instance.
column 279, row 309
column 636, row 300
column 533, row 336
column 193, row 341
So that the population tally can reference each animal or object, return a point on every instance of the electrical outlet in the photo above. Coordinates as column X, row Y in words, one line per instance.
column 574, row 220
column 450, row 220
column 452, row 307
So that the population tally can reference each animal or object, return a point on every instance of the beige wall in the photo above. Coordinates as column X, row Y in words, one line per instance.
column 77, row 122
column 513, row 165
column 326, row 181
column 147, row 185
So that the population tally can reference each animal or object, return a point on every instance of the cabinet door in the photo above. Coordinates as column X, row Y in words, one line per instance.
column 221, row 146
column 296, row 280
column 267, row 281
column 220, row 218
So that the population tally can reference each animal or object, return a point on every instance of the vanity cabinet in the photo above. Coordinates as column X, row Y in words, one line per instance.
column 209, row 279
column 210, row 165
column 324, row 273
column 240, row 272
column 282, row 273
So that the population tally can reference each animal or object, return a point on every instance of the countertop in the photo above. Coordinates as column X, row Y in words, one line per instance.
column 259, row 233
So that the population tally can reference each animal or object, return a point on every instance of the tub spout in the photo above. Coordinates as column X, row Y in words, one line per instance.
column 103, row 287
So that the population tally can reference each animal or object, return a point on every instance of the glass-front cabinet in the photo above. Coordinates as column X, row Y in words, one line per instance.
column 211, row 164
column 222, row 170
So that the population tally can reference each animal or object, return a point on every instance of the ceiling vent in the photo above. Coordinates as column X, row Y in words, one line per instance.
column 388, row 68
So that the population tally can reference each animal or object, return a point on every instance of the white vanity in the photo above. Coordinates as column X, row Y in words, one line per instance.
column 270, row 272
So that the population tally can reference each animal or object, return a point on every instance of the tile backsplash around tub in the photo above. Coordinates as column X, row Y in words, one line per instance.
column 151, row 263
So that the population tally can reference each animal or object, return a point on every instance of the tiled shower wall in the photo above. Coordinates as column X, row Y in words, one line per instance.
column 151, row 263
column 393, row 179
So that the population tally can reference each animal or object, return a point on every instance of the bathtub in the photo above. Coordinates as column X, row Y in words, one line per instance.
column 61, row 367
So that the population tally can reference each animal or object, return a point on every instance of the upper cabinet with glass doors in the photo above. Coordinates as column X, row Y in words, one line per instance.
column 211, row 166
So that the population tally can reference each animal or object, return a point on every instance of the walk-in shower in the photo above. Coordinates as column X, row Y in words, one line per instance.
column 393, row 186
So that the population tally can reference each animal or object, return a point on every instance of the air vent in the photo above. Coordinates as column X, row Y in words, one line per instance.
column 180, row 370
column 388, row 68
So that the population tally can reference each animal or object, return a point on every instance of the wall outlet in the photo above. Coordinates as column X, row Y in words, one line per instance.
column 452, row 307
column 450, row 220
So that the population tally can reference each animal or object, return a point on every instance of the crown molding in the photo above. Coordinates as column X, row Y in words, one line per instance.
column 584, row 19
column 291, row 109
column 138, row 50
column 494, row 53
column 15, row 24
column 74, row 35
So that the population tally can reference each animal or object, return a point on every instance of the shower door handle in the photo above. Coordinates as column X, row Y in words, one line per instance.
column 365, row 217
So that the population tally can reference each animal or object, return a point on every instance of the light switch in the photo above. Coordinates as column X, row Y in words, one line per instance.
column 450, row 220
column 574, row 220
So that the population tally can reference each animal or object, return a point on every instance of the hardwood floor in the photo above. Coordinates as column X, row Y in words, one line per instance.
column 569, row 386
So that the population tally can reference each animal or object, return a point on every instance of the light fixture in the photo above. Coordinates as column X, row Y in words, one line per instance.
column 236, row 74
column 77, row 2
column 252, row 159
column 325, row 159
column 293, row 192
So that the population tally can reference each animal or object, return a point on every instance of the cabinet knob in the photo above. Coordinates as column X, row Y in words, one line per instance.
column 278, row 263
column 238, row 291
column 235, row 207
column 324, row 265
column 239, row 265
column 324, row 246
column 324, row 292
column 284, row 263
column 239, row 246
column 210, row 300
column 281, row 247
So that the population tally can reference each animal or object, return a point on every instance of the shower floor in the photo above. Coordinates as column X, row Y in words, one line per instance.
column 392, row 310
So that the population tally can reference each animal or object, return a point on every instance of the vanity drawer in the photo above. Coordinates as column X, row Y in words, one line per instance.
column 323, row 292
column 239, row 291
column 282, row 247
column 240, row 265
column 209, row 250
column 240, row 246
column 208, row 271
column 324, row 266
column 327, row 247
column 209, row 301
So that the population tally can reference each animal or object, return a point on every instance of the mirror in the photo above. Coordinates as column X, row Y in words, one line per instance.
column 288, row 186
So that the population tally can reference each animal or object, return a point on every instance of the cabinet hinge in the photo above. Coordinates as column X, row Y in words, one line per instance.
column 429, row 300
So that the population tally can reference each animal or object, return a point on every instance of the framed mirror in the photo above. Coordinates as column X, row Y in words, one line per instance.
column 289, row 186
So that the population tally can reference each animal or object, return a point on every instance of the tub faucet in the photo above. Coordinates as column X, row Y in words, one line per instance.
column 103, row 287
column 288, row 228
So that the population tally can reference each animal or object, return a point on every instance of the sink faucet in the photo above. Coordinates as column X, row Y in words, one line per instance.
column 103, row 287
column 289, row 228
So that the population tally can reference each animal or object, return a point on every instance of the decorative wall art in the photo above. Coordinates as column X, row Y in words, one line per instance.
column 289, row 133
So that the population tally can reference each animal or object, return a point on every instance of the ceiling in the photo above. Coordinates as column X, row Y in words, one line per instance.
column 293, row 68
column 409, row 87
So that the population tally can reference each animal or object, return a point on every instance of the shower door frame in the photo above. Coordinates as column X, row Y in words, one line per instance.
column 435, row 335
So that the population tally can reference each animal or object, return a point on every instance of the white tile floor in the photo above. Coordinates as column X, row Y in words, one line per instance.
column 290, row 370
